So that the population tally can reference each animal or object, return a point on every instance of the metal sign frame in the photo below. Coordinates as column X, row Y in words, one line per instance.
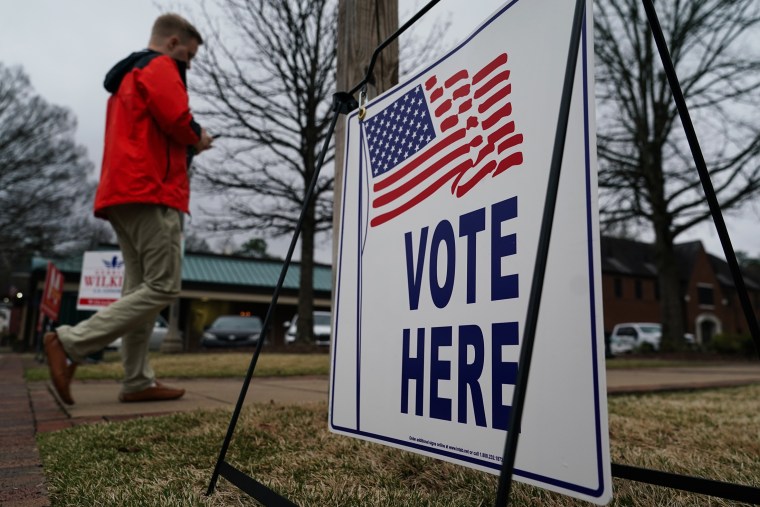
column 343, row 103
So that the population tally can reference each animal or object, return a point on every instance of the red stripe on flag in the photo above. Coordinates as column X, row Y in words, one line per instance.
column 493, row 99
column 443, row 108
column 465, row 106
column 437, row 93
column 449, row 122
column 484, row 152
column 396, row 175
column 482, row 173
column 498, row 78
column 512, row 160
column 505, row 130
column 460, row 92
column 510, row 143
column 381, row 219
column 498, row 115
column 394, row 194
column 462, row 74
column 485, row 71
column 431, row 82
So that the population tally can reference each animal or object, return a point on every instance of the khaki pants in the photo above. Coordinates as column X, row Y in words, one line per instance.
column 150, row 240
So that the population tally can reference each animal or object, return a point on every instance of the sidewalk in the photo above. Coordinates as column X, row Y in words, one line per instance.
column 26, row 409
column 644, row 380
column 99, row 399
column 22, row 483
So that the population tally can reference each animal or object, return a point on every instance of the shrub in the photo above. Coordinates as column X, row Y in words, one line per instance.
column 732, row 343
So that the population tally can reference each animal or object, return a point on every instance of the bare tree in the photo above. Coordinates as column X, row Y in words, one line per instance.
column 81, row 231
column 255, row 248
column 646, row 172
column 749, row 264
column 42, row 172
column 195, row 243
column 267, row 78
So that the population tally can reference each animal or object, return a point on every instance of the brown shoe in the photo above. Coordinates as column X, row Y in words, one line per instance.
column 60, row 372
column 157, row 392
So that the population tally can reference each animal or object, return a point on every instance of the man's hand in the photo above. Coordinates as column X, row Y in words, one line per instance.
column 204, row 143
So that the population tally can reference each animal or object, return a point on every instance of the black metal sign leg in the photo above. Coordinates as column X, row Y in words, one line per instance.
column 342, row 103
column 699, row 485
column 529, row 332
column 704, row 175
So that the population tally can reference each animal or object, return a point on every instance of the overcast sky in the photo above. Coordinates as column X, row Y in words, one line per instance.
column 66, row 47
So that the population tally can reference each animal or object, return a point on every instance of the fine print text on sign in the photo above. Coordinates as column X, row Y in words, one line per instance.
column 444, row 188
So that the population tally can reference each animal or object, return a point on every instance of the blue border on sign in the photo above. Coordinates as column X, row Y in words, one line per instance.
column 591, row 284
column 597, row 492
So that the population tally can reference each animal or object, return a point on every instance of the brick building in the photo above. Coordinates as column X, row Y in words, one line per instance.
column 214, row 285
column 631, row 290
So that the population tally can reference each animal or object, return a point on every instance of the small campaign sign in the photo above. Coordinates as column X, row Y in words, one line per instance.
column 50, row 306
column 101, row 280
column 445, row 180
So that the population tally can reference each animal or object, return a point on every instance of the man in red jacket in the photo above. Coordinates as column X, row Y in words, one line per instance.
column 143, row 191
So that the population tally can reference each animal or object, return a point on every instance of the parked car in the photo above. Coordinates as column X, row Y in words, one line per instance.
column 160, row 328
column 630, row 336
column 232, row 331
column 322, row 328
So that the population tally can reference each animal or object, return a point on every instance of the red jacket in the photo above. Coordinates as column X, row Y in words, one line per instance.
column 148, row 131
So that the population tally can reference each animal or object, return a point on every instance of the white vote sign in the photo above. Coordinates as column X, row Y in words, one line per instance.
column 444, row 188
column 101, row 280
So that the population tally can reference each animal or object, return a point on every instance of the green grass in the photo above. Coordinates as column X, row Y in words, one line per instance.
column 168, row 460
column 202, row 365
column 235, row 364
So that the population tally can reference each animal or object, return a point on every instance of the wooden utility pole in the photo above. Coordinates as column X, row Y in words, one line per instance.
column 362, row 26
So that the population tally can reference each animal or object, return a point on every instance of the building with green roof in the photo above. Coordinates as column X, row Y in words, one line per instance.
column 212, row 285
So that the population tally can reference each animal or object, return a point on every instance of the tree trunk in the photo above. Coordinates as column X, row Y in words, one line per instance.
column 305, row 325
column 671, row 296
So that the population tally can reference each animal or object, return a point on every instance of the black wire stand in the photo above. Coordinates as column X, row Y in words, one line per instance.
column 542, row 254
column 344, row 103
column 728, row 491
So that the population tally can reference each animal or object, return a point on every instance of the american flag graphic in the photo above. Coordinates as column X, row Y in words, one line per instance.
column 458, row 131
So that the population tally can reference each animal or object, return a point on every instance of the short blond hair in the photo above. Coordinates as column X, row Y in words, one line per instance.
column 169, row 24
